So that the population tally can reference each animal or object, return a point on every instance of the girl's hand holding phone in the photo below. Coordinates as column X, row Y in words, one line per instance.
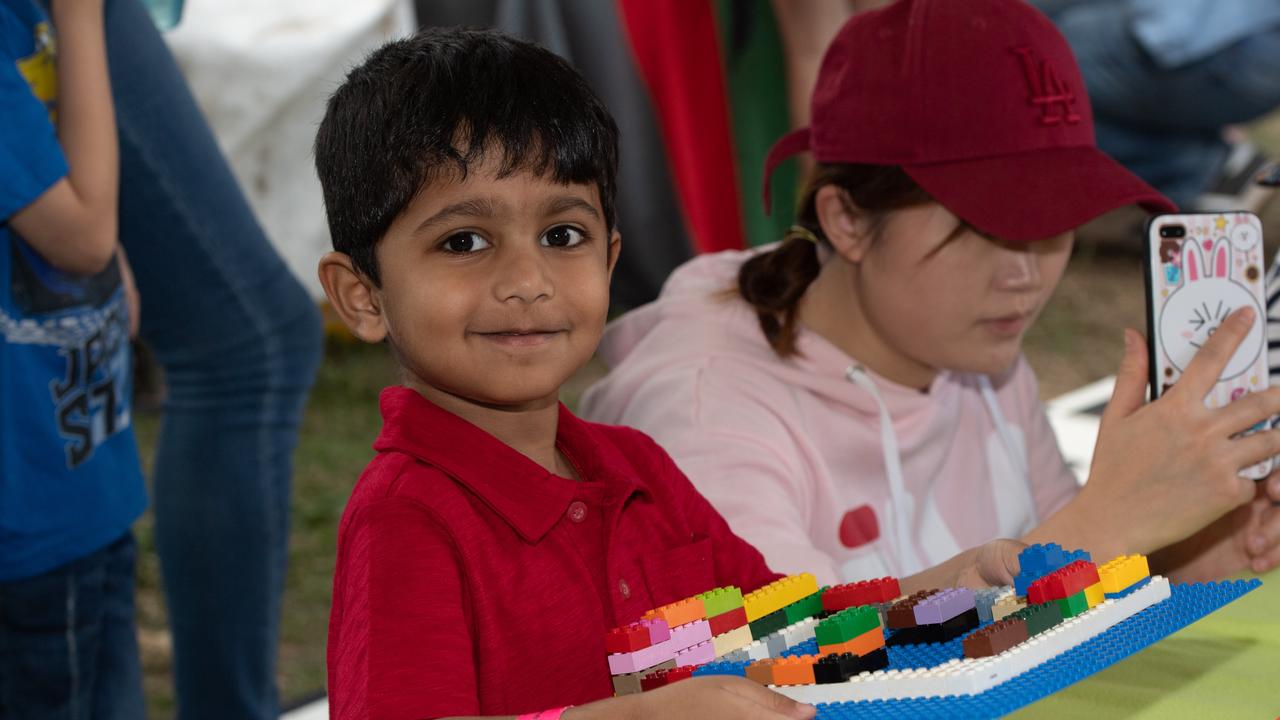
column 1165, row 470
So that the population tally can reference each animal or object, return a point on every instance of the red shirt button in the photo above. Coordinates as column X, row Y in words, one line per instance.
column 624, row 588
column 577, row 511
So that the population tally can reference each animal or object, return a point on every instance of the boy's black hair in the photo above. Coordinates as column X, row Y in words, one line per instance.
column 433, row 104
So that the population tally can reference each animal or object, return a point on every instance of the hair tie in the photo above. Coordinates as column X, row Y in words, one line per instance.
column 801, row 232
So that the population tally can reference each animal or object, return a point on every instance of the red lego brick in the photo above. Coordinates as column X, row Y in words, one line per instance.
column 1063, row 582
column 627, row 638
column 728, row 621
column 661, row 678
column 864, row 592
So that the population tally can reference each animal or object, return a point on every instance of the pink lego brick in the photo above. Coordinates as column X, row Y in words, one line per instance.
column 659, row 631
column 699, row 654
column 690, row 634
column 939, row 608
column 656, row 654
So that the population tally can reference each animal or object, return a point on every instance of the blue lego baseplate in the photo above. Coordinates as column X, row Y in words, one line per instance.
column 1186, row 604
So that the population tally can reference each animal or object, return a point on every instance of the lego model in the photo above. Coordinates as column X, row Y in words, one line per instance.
column 864, row 649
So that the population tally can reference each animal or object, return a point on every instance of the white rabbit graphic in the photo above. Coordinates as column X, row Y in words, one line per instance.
column 1205, row 298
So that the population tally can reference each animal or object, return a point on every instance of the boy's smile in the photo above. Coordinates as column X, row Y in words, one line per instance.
column 494, row 289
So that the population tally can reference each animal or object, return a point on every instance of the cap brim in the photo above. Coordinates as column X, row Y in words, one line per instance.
column 1036, row 195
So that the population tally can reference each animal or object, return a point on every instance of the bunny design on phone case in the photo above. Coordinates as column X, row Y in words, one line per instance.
column 1194, row 309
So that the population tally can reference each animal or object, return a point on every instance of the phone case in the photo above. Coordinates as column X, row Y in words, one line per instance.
column 1193, row 283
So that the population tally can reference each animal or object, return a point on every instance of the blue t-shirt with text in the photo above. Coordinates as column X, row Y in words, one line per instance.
column 70, row 481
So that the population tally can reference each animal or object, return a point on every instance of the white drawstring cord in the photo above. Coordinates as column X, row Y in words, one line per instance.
column 1018, row 459
column 908, row 559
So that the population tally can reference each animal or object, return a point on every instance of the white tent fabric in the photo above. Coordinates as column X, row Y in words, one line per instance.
column 261, row 72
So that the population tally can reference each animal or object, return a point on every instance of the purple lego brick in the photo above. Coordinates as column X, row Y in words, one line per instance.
column 622, row 663
column 699, row 654
column 937, row 609
column 659, row 631
column 690, row 634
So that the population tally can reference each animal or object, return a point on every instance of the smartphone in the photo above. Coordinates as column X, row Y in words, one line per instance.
column 1198, row 269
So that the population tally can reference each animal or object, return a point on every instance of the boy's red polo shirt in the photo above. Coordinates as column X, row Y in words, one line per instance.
column 470, row 581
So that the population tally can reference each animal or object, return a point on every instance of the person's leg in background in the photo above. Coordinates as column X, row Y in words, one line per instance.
column 240, row 342
column 1165, row 123
column 68, row 648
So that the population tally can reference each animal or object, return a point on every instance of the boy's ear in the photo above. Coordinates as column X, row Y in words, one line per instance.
column 353, row 296
column 844, row 224
column 615, row 249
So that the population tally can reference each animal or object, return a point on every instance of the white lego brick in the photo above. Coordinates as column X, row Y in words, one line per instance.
column 797, row 633
column 973, row 676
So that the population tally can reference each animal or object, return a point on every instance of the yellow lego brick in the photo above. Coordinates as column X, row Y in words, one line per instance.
column 1121, row 572
column 1094, row 594
column 778, row 594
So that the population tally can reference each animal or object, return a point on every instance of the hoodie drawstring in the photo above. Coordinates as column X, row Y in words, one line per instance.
column 908, row 555
column 1019, row 459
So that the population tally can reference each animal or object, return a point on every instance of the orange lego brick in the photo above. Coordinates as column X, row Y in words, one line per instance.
column 794, row 670
column 680, row 612
column 761, row 671
column 867, row 642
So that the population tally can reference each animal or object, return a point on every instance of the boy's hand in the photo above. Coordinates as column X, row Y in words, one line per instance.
column 701, row 698
column 1164, row 470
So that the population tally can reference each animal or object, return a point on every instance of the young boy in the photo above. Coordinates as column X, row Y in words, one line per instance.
column 469, row 180
column 495, row 538
column 70, row 482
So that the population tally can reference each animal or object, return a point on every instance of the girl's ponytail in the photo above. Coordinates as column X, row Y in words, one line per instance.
column 774, row 282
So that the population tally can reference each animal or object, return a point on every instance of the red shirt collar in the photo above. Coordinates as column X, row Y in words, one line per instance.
column 521, row 491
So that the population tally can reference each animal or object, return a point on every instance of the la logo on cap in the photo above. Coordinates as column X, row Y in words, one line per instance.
column 1048, row 92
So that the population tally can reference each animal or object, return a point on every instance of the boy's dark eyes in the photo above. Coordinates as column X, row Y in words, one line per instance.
column 465, row 242
column 563, row 236
column 560, row 236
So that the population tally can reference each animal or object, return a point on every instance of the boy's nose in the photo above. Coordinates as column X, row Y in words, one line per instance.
column 1019, row 269
column 523, row 276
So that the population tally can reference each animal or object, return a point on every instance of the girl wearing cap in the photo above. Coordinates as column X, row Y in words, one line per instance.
column 854, row 399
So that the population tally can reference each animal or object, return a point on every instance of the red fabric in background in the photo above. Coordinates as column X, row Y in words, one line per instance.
column 677, row 50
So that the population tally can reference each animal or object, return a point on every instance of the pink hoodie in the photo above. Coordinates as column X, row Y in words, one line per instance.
column 800, row 455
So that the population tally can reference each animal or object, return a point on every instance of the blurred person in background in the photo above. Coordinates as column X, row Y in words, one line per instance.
column 1169, row 80
column 70, row 481
column 239, row 341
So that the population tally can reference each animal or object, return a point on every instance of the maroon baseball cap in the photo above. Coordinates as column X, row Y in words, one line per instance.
column 981, row 103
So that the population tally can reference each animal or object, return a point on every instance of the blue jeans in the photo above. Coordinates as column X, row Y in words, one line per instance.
column 68, row 650
column 240, row 341
column 1165, row 124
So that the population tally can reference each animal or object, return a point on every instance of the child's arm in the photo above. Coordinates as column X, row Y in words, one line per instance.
column 704, row 698
column 73, row 223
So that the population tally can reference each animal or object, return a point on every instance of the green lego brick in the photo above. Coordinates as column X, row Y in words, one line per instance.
column 847, row 624
column 769, row 624
column 721, row 600
column 803, row 608
column 1073, row 605
column 1040, row 617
